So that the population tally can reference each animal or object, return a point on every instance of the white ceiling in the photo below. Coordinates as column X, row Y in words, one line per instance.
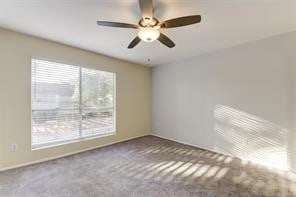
column 224, row 23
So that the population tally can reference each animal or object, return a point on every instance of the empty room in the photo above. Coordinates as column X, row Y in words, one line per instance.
column 148, row 98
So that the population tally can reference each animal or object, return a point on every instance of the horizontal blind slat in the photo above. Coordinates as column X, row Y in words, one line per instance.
column 58, row 114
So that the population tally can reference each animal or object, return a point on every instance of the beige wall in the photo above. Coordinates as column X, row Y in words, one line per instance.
column 16, row 50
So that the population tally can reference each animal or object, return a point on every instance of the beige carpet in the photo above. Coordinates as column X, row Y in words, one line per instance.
column 146, row 167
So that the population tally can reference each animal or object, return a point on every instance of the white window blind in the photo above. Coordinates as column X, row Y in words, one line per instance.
column 70, row 102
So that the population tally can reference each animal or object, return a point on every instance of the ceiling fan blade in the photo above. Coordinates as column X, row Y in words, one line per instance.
column 166, row 41
column 134, row 42
column 181, row 21
column 146, row 7
column 116, row 24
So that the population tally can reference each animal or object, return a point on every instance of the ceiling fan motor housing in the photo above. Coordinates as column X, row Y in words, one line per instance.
column 148, row 22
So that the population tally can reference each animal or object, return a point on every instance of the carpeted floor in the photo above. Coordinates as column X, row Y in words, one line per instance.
column 146, row 167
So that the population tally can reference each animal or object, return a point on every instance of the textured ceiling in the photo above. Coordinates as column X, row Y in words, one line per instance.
column 224, row 23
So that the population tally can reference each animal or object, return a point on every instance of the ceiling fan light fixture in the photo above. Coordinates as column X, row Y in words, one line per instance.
column 148, row 34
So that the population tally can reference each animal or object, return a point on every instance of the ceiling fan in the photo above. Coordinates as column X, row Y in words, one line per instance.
column 149, row 27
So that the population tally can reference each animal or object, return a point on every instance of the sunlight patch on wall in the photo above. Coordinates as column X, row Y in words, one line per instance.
column 250, row 137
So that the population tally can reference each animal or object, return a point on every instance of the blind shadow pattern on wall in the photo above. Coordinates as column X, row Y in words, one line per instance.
column 251, row 137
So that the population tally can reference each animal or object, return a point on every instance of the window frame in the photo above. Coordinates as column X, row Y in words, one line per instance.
column 81, row 138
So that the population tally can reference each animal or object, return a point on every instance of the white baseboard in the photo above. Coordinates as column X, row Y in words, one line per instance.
column 189, row 144
column 115, row 142
column 68, row 154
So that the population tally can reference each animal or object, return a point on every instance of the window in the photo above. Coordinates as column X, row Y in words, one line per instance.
column 70, row 103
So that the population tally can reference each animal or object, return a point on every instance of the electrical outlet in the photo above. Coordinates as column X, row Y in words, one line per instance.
column 13, row 147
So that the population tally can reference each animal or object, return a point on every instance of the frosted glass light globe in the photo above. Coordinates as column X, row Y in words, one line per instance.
column 148, row 34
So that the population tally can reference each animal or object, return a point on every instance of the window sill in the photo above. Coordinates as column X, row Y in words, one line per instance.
column 62, row 143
